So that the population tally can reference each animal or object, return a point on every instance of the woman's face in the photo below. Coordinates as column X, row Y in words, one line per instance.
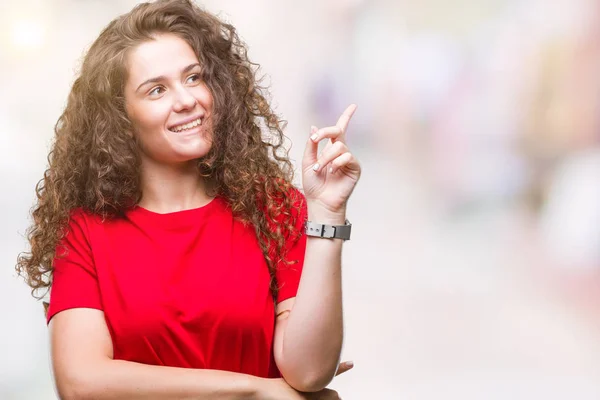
column 167, row 101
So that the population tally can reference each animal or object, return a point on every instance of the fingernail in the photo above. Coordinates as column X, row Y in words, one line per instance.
column 331, row 170
column 313, row 129
column 350, row 364
column 314, row 137
column 316, row 167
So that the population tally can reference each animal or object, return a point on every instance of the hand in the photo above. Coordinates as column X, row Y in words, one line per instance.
column 329, row 178
column 278, row 389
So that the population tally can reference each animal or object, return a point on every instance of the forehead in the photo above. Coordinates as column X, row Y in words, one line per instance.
column 165, row 55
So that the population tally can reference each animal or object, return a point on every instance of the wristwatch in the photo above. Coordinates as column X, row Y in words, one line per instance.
column 328, row 231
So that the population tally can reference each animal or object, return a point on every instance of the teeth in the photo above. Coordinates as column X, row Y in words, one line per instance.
column 189, row 125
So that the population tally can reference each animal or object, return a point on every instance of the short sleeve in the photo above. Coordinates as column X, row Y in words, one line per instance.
column 74, row 280
column 288, row 275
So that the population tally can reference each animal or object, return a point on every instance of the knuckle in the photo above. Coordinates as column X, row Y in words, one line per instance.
column 339, row 146
column 347, row 157
column 331, row 130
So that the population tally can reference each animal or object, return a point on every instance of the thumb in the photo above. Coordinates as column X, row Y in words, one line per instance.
column 344, row 367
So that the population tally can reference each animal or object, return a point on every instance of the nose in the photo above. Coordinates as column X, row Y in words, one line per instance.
column 183, row 100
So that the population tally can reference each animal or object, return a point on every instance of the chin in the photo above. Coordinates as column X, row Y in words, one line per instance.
column 185, row 156
column 193, row 149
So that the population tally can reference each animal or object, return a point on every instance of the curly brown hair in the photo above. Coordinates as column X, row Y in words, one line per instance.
column 94, row 164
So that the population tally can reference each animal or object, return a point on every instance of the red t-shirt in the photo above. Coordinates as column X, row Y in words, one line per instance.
column 184, row 289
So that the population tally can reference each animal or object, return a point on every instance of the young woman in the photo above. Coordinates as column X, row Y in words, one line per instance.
column 182, row 262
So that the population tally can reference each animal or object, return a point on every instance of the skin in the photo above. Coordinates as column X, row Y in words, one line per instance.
column 309, row 327
column 308, row 337
column 164, row 88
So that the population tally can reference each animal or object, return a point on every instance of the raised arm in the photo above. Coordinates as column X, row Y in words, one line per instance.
column 309, row 330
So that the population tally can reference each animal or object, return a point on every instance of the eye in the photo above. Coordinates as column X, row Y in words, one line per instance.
column 156, row 91
column 194, row 78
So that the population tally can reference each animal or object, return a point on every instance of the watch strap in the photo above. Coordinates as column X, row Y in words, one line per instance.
column 328, row 231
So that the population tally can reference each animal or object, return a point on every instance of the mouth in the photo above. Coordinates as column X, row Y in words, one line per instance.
column 187, row 126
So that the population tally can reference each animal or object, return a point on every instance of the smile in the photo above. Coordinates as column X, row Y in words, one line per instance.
column 187, row 126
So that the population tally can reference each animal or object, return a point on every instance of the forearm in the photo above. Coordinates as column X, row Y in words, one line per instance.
column 119, row 380
column 314, row 333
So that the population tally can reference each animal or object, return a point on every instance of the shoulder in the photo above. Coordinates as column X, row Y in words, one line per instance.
column 296, row 210
column 80, row 223
column 292, row 202
column 299, row 206
column 74, row 232
column 298, row 200
column 79, row 217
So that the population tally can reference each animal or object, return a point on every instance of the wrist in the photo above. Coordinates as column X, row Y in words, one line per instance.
column 321, row 214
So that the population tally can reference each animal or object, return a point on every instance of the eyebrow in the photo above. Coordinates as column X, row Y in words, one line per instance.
column 162, row 77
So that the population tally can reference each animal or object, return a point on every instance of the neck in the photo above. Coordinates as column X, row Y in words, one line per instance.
column 171, row 188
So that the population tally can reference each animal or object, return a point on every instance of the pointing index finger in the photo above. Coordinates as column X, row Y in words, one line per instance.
column 344, row 119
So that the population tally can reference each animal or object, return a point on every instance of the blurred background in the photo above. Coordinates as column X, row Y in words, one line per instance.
column 474, row 266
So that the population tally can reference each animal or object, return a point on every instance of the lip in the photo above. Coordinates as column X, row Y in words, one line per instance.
column 187, row 121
